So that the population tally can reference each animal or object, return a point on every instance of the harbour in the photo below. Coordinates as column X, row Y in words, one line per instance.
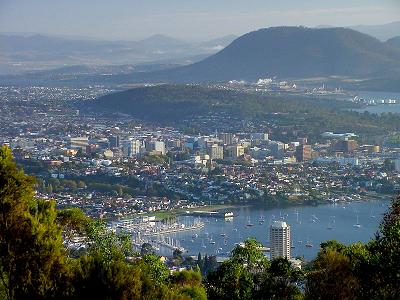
column 346, row 222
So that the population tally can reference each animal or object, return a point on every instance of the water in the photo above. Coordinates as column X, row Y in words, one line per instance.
column 382, row 108
column 307, row 224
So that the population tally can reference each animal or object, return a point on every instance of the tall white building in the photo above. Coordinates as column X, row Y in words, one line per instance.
column 279, row 239
column 131, row 147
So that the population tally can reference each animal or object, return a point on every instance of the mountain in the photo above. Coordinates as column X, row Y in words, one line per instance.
column 292, row 52
column 394, row 42
column 20, row 53
column 382, row 32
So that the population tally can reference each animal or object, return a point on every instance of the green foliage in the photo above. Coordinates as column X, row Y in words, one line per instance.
column 359, row 271
column 249, row 275
column 331, row 276
column 168, row 103
column 35, row 265
column 146, row 249
column 32, row 261
column 154, row 268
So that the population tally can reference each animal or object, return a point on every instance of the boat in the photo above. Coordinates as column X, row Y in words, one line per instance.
column 309, row 244
column 249, row 224
column 357, row 225
column 212, row 242
column 330, row 226
column 292, row 245
column 203, row 245
column 371, row 215
column 261, row 220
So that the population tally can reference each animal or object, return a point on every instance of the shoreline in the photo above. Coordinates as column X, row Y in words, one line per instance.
column 168, row 214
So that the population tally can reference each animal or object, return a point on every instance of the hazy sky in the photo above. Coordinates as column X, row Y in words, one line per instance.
column 188, row 19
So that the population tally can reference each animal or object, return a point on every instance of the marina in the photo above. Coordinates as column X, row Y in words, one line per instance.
column 310, row 225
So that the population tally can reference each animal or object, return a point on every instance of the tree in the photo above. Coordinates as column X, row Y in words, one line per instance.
column 32, row 261
column 331, row 276
column 379, row 270
column 280, row 281
column 146, row 249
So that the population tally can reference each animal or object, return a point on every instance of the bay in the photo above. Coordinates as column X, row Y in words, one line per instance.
column 312, row 224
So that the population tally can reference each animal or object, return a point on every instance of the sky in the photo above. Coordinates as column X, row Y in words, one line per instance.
column 185, row 19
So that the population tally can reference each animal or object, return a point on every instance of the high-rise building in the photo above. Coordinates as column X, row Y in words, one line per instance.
column 114, row 141
column 79, row 142
column 216, row 152
column 154, row 146
column 303, row 152
column 235, row 151
column 347, row 146
column 131, row 147
column 226, row 138
column 279, row 239
column 277, row 149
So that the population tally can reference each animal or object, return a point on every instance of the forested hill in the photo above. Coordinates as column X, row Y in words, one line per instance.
column 170, row 104
column 174, row 102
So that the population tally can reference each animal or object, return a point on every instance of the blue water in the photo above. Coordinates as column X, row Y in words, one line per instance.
column 382, row 108
column 307, row 224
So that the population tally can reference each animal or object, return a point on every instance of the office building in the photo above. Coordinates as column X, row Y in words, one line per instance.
column 226, row 138
column 155, row 147
column 131, row 147
column 235, row 151
column 303, row 153
column 216, row 152
column 279, row 239
column 114, row 141
column 80, row 142
column 346, row 146
column 277, row 149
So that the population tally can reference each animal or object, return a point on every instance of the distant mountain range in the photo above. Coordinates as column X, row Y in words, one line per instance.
column 382, row 32
column 20, row 53
column 292, row 52
column 395, row 42
column 283, row 52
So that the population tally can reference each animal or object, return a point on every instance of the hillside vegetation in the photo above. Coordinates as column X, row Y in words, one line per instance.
column 174, row 103
column 34, row 264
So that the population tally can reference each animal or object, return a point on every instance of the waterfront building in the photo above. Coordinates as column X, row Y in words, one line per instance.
column 280, row 239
